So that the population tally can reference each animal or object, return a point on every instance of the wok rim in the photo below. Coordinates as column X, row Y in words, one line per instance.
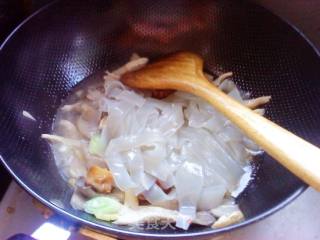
column 138, row 235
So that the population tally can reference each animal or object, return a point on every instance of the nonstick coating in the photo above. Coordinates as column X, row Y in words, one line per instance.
column 67, row 41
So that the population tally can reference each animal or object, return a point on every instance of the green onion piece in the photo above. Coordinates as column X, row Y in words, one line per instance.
column 104, row 208
column 97, row 145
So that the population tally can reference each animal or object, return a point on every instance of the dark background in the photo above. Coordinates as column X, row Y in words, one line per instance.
column 302, row 13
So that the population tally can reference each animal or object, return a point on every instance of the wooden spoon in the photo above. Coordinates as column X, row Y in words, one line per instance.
column 184, row 71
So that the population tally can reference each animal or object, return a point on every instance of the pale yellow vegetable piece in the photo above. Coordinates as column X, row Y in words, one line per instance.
column 227, row 220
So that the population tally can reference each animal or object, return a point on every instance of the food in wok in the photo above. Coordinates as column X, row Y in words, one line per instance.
column 136, row 156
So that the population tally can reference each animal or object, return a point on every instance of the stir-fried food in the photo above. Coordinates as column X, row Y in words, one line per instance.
column 133, row 156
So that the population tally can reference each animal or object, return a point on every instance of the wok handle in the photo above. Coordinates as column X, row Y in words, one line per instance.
column 92, row 234
column 299, row 156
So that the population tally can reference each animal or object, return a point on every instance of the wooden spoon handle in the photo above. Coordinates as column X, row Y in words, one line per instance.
column 296, row 154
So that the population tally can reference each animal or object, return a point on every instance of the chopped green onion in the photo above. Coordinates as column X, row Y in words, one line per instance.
column 104, row 208
column 97, row 145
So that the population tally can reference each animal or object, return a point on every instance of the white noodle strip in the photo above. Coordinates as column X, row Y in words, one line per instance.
column 156, row 195
column 119, row 172
column 244, row 181
column 136, row 169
